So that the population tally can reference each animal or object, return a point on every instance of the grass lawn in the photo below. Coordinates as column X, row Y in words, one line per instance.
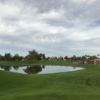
column 79, row 85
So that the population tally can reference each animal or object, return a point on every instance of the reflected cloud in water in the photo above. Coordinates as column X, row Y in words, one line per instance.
column 39, row 69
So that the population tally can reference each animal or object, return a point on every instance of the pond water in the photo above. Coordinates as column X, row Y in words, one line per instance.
column 39, row 69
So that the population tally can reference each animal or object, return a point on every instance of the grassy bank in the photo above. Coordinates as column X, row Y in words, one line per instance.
column 79, row 85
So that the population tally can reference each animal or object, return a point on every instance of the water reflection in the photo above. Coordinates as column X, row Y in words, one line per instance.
column 40, row 69
column 33, row 69
column 6, row 68
column 16, row 67
column 27, row 69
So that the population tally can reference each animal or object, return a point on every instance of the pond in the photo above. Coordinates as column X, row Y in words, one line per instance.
column 39, row 69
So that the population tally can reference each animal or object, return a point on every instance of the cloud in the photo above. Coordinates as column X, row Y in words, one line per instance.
column 49, row 26
column 8, row 10
column 84, row 1
column 52, row 15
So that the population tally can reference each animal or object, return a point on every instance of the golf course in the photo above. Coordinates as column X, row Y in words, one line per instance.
column 49, row 49
column 77, row 85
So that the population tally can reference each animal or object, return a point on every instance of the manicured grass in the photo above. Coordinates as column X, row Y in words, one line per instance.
column 79, row 85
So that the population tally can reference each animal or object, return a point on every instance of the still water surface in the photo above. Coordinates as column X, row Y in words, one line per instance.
column 39, row 69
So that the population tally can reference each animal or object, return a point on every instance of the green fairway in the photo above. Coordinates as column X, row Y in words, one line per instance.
column 78, row 85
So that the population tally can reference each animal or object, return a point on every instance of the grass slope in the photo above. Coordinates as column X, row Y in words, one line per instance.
column 79, row 85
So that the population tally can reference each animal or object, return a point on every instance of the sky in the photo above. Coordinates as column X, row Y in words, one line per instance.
column 53, row 27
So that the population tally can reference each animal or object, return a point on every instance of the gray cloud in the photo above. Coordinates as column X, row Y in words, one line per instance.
column 54, row 27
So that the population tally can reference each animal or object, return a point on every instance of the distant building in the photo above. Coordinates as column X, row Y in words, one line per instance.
column 96, row 61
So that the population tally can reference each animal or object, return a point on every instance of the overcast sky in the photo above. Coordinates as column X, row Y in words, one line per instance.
column 54, row 27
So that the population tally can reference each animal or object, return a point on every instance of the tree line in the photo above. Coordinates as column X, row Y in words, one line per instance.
column 34, row 55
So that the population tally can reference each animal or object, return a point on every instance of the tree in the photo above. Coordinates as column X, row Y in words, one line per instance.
column 33, row 55
column 1, row 58
column 66, row 57
column 16, row 57
column 42, row 56
column 73, row 58
column 8, row 56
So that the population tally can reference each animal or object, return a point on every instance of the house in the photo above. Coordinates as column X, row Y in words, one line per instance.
column 96, row 61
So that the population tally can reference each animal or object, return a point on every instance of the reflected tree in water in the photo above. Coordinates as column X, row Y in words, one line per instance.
column 16, row 67
column 6, row 68
column 33, row 69
column 43, row 66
